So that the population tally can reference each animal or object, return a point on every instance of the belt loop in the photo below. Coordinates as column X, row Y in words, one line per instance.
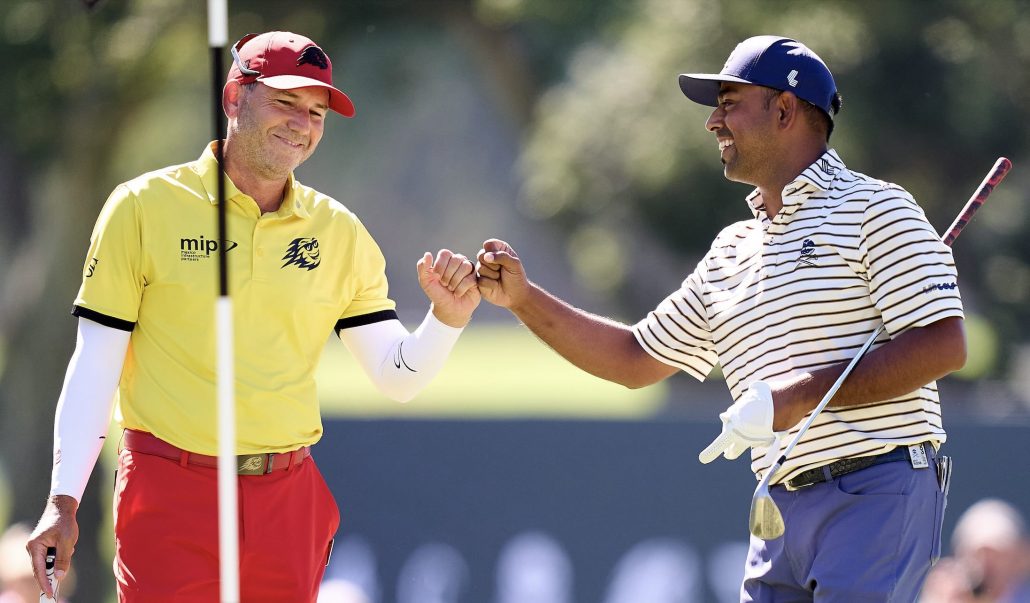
column 289, row 461
column 184, row 458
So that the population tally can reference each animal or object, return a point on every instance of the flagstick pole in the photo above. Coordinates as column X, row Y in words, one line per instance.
column 228, row 528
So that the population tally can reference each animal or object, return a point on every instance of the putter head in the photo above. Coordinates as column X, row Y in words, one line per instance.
column 765, row 522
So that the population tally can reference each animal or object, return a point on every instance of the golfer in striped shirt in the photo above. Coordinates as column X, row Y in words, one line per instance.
column 783, row 300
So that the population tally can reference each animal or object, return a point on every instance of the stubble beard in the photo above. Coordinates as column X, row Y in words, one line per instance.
column 258, row 152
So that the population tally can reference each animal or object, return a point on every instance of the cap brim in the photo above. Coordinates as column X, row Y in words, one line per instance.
column 338, row 101
column 703, row 88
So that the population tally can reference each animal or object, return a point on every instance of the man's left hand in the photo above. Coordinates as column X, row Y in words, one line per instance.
column 747, row 423
column 449, row 282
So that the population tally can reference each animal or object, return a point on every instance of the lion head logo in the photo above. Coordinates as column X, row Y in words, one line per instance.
column 313, row 55
column 303, row 253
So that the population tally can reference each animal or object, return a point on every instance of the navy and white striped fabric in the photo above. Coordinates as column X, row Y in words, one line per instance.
column 775, row 298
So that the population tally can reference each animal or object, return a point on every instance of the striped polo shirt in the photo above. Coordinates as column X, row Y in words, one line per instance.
column 776, row 298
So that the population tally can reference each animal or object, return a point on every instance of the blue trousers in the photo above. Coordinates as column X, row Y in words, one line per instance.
column 868, row 536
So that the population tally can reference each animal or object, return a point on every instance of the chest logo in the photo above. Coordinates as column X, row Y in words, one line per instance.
column 302, row 253
column 195, row 250
column 807, row 257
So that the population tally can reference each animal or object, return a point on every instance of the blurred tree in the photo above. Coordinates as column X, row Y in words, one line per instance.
column 76, row 76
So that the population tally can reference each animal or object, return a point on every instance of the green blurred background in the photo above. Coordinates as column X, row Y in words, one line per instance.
column 556, row 125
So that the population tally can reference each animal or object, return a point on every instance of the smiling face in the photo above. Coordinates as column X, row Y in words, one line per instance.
column 745, row 126
column 273, row 131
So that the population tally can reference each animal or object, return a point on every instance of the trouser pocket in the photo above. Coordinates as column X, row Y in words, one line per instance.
column 944, row 484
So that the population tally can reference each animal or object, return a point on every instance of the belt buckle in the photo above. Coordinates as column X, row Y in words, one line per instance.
column 252, row 464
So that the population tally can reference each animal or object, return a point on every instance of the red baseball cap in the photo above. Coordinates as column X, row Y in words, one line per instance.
column 284, row 60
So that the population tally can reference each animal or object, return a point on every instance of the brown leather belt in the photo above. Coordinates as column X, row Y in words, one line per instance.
column 825, row 473
column 246, row 464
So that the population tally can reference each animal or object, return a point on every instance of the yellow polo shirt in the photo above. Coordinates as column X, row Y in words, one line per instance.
column 294, row 276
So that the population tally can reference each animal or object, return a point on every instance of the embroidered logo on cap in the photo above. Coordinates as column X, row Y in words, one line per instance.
column 792, row 78
column 313, row 55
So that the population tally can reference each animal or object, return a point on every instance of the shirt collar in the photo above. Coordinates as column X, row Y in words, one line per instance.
column 207, row 168
column 815, row 178
column 293, row 202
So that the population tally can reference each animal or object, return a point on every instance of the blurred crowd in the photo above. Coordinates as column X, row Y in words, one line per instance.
column 990, row 560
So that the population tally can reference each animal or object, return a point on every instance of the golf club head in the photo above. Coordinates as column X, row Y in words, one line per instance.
column 765, row 521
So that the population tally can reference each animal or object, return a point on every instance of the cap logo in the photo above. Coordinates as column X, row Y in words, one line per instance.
column 792, row 78
column 313, row 55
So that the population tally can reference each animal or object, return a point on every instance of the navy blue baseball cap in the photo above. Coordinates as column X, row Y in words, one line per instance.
column 774, row 62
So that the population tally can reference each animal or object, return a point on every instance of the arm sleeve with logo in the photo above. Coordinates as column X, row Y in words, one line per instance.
column 912, row 277
column 399, row 363
column 112, row 283
column 84, row 408
column 677, row 331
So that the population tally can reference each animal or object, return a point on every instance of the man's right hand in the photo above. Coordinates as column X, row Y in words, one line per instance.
column 502, row 280
column 57, row 528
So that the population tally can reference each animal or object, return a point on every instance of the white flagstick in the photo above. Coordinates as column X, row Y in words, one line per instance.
column 228, row 531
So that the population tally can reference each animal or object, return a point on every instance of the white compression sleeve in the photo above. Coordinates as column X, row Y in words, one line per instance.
column 85, row 406
column 399, row 363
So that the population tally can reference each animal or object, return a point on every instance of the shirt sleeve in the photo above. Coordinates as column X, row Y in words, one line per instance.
column 912, row 276
column 370, row 299
column 112, row 279
column 677, row 331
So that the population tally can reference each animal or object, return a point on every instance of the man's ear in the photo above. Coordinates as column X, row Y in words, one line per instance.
column 231, row 96
column 787, row 108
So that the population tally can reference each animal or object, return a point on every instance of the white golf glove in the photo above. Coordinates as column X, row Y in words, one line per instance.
column 745, row 424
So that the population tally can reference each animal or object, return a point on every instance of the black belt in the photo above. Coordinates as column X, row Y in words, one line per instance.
column 825, row 473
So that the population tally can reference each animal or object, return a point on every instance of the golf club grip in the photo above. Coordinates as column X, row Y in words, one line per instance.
column 996, row 175
column 998, row 171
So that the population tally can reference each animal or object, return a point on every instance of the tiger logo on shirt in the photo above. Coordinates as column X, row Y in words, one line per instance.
column 302, row 252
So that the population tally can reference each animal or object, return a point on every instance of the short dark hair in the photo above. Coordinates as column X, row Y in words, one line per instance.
column 816, row 117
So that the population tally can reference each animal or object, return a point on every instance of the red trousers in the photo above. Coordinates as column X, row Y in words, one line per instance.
column 166, row 532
